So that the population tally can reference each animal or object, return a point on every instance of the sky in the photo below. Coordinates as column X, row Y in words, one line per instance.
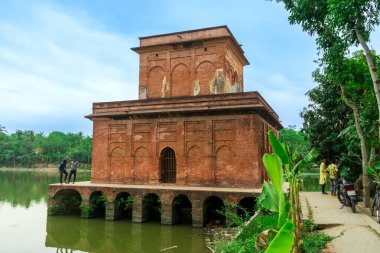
column 58, row 57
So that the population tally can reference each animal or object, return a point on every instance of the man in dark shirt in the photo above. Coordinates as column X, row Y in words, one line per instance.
column 62, row 170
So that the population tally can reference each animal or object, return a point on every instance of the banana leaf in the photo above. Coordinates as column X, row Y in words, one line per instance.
column 284, row 240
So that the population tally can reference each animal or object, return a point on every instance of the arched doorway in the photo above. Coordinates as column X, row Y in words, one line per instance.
column 213, row 208
column 97, row 207
column 247, row 207
column 124, row 205
column 151, row 207
column 66, row 202
column 182, row 209
column 168, row 165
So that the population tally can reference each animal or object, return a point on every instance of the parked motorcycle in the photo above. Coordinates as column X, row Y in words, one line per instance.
column 346, row 194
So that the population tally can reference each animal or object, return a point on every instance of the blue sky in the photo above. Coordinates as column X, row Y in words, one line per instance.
column 58, row 57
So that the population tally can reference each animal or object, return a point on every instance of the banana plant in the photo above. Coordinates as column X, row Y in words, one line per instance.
column 374, row 172
column 285, row 164
column 284, row 240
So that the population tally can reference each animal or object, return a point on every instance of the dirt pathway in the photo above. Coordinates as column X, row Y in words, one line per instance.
column 356, row 232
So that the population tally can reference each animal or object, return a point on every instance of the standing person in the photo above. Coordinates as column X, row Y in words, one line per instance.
column 323, row 175
column 62, row 170
column 74, row 168
column 333, row 171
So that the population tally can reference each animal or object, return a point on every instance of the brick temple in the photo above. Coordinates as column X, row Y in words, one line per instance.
column 192, row 133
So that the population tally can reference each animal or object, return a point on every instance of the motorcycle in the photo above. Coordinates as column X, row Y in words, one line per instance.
column 346, row 194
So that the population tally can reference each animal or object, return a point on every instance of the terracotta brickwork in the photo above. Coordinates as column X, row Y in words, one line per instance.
column 191, row 103
column 196, row 195
column 190, row 63
column 209, row 151
column 193, row 134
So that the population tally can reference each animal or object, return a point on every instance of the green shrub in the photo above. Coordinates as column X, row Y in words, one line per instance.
column 246, row 240
column 314, row 242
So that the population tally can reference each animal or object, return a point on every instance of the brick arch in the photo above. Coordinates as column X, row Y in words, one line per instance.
column 180, row 80
column 235, row 82
column 151, row 206
column 168, row 165
column 155, row 78
column 224, row 166
column 124, row 204
column 205, row 72
column 225, row 149
column 141, row 152
column 198, row 68
column 182, row 209
column 117, row 151
column 117, row 164
column 97, row 201
column 210, row 206
column 194, row 163
column 248, row 204
column 68, row 201
column 141, row 162
column 59, row 190
column 95, row 192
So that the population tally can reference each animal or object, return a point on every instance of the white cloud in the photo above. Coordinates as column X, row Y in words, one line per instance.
column 58, row 65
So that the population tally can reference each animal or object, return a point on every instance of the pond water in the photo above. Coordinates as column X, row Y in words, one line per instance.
column 25, row 226
column 311, row 182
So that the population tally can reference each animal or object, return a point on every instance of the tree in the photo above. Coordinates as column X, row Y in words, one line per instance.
column 27, row 148
column 351, row 79
column 295, row 139
column 359, row 95
column 338, row 25
column 325, row 118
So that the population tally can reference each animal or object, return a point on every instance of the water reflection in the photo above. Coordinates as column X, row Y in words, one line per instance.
column 311, row 182
column 98, row 235
column 23, row 216
column 24, row 187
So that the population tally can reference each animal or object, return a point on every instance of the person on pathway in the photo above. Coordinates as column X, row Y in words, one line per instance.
column 333, row 171
column 74, row 168
column 62, row 170
column 323, row 175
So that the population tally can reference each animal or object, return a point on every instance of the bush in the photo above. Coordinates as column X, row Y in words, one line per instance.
column 246, row 240
column 314, row 242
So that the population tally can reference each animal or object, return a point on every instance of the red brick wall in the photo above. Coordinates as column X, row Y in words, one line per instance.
column 100, row 145
column 211, row 150
column 183, row 65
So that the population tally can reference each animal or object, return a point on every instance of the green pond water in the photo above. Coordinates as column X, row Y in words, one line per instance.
column 25, row 226
column 311, row 182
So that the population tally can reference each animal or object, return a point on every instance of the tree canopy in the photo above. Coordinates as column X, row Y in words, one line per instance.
column 295, row 139
column 338, row 25
column 27, row 148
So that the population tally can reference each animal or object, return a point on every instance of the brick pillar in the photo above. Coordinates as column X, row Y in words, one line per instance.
column 111, row 210
column 85, row 204
column 51, row 206
column 166, row 214
column 137, row 212
column 197, row 211
column 167, row 209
